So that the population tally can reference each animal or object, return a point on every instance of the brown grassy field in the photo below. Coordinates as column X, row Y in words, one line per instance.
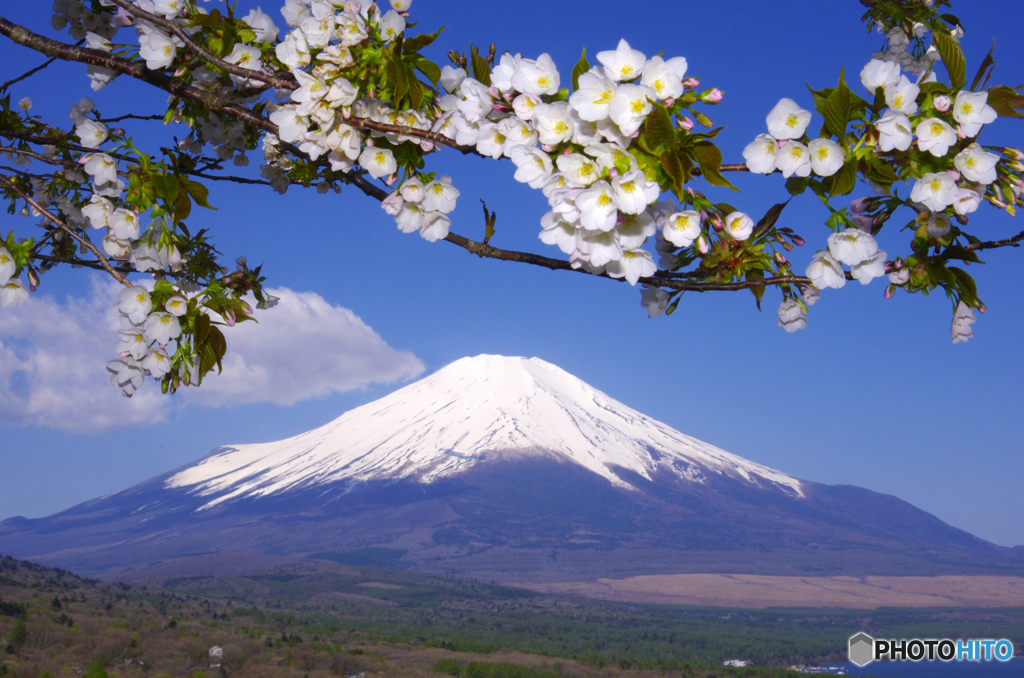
column 755, row 591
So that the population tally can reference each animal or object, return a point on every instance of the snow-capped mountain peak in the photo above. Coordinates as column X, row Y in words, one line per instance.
column 473, row 410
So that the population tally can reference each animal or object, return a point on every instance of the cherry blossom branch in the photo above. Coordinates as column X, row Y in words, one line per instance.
column 436, row 137
column 131, row 116
column 207, row 56
column 135, row 69
column 993, row 244
column 84, row 242
column 96, row 265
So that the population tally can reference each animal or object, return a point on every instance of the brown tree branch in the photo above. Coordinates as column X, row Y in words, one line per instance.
column 993, row 244
column 84, row 242
column 134, row 69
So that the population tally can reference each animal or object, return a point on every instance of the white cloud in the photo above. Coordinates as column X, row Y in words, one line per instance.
column 53, row 354
column 302, row 348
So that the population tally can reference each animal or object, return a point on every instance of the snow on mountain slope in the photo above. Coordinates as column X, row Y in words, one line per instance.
column 471, row 410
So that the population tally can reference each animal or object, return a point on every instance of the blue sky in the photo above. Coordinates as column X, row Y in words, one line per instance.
column 871, row 394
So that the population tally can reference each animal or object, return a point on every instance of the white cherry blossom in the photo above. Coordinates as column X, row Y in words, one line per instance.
column 824, row 271
column 126, row 375
column 878, row 73
column 655, row 300
column 435, row 226
column 158, row 50
column 869, row 269
column 935, row 191
column 902, row 96
column 578, row 168
column 967, row 201
column 162, row 327
column 972, row 111
column 534, row 167
column 760, row 154
column 826, row 157
column 91, row 133
column 976, row 164
column 963, row 318
column 557, row 231
column 633, row 265
column 622, row 64
column 894, row 131
column 939, row 225
column 935, row 136
column 792, row 316
column 630, row 107
column 664, row 77
column 738, row 226
column 440, row 195
column 536, row 77
column 633, row 192
column 7, row 266
column 262, row 25
column 392, row 25
column 682, row 228
column 157, row 362
column 553, row 122
column 593, row 99
column 135, row 303
column 597, row 207
column 451, row 78
column 176, row 306
column 787, row 120
column 793, row 158
column 124, row 224
column 378, row 162
column 852, row 246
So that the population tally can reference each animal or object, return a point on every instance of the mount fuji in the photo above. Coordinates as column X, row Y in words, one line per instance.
column 510, row 469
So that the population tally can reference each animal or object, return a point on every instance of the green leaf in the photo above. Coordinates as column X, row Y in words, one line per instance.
column 709, row 158
column 757, row 274
column 837, row 109
column 418, row 42
column 845, row 180
column 199, row 193
column 988, row 62
column 797, row 185
column 661, row 135
column 171, row 188
column 401, row 82
column 581, row 67
column 769, row 218
column 481, row 69
column 202, row 328
column 674, row 169
column 182, row 207
column 1006, row 101
column 429, row 69
column 952, row 57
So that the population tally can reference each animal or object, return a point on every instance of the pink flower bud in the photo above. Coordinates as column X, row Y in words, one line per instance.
column 954, row 174
column 712, row 96
column 685, row 123
column 501, row 108
column 702, row 245
column 426, row 145
column 612, row 173
column 861, row 205
column 716, row 221
column 509, row 96
column 942, row 103
column 691, row 83
column 798, row 241
column 390, row 181
column 229, row 318
column 669, row 102
column 890, row 291
column 960, row 132
column 494, row 92
column 547, row 148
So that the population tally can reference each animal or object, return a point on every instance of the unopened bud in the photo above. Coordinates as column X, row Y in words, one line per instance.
column 798, row 241
column 691, row 83
column 716, row 221
column 702, row 245
column 942, row 103
column 890, row 291
column 390, row 181
column 712, row 96
column 685, row 123
column 494, row 92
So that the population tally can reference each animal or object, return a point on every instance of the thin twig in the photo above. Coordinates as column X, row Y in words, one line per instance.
column 80, row 262
column 207, row 56
column 993, row 244
column 29, row 73
column 59, row 222
column 131, row 116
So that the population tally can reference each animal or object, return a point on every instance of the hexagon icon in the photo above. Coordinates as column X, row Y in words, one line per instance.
column 862, row 649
